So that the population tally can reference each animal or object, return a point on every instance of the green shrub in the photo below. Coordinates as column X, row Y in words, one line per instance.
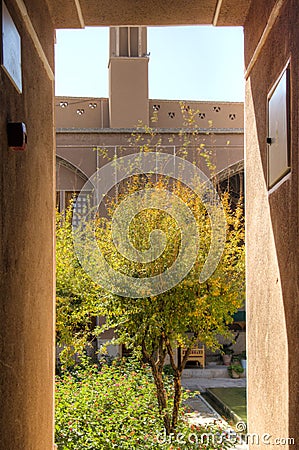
column 113, row 407
column 236, row 368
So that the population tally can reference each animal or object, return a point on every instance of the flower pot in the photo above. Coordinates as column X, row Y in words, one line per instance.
column 243, row 363
column 227, row 359
column 235, row 374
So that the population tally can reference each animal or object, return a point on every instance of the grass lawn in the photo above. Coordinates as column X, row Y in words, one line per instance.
column 234, row 398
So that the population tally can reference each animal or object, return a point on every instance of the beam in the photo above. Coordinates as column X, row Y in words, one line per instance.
column 32, row 33
column 268, row 28
column 79, row 12
column 217, row 12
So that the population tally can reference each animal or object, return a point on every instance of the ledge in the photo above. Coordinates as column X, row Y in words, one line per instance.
column 158, row 130
column 222, row 407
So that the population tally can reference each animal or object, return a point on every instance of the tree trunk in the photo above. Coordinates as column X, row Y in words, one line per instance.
column 178, row 370
column 157, row 371
column 176, row 400
column 162, row 399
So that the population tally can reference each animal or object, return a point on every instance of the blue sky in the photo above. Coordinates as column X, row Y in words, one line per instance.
column 186, row 63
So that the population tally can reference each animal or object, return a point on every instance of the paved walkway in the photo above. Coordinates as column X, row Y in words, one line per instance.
column 202, row 384
column 202, row 411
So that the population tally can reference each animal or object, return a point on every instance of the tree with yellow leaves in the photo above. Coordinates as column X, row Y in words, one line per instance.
column 160, row 219
column 191, row 311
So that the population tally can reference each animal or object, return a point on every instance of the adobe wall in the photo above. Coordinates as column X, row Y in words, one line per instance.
column 87, row 112
column 272, row 233
column 27, row 185
column 77, row 147
column 26, row 253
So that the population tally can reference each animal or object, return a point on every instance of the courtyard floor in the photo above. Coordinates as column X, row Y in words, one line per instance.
column 217, row 380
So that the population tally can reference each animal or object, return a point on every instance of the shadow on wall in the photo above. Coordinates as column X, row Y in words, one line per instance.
column 279, row 218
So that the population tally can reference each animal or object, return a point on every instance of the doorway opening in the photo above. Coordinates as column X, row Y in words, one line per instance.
column 87, row 122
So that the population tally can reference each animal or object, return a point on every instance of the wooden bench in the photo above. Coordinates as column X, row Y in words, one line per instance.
column 196, row 354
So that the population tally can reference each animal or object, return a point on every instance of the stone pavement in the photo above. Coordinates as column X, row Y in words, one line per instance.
column 197, row 379
column 202, row 411
column 202, row 384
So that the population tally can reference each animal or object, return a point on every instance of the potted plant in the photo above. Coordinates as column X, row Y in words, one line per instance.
column 227, row 351
column 227, row 355
column 235, row 370
column 243, row 359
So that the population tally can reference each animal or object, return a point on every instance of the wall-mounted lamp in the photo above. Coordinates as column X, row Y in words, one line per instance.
column 16, row 136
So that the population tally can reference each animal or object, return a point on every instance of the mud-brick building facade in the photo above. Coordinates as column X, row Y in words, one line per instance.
column 27, row 183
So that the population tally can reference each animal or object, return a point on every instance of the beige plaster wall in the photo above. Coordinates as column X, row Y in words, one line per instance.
column 68, row 179
column 27, row 200
column 68, row 13
column 208, row 114
column 82, row 112
column 77, row 147
column 78, row 112
column 128, row 91
column 26, row 245
column 272, row 235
